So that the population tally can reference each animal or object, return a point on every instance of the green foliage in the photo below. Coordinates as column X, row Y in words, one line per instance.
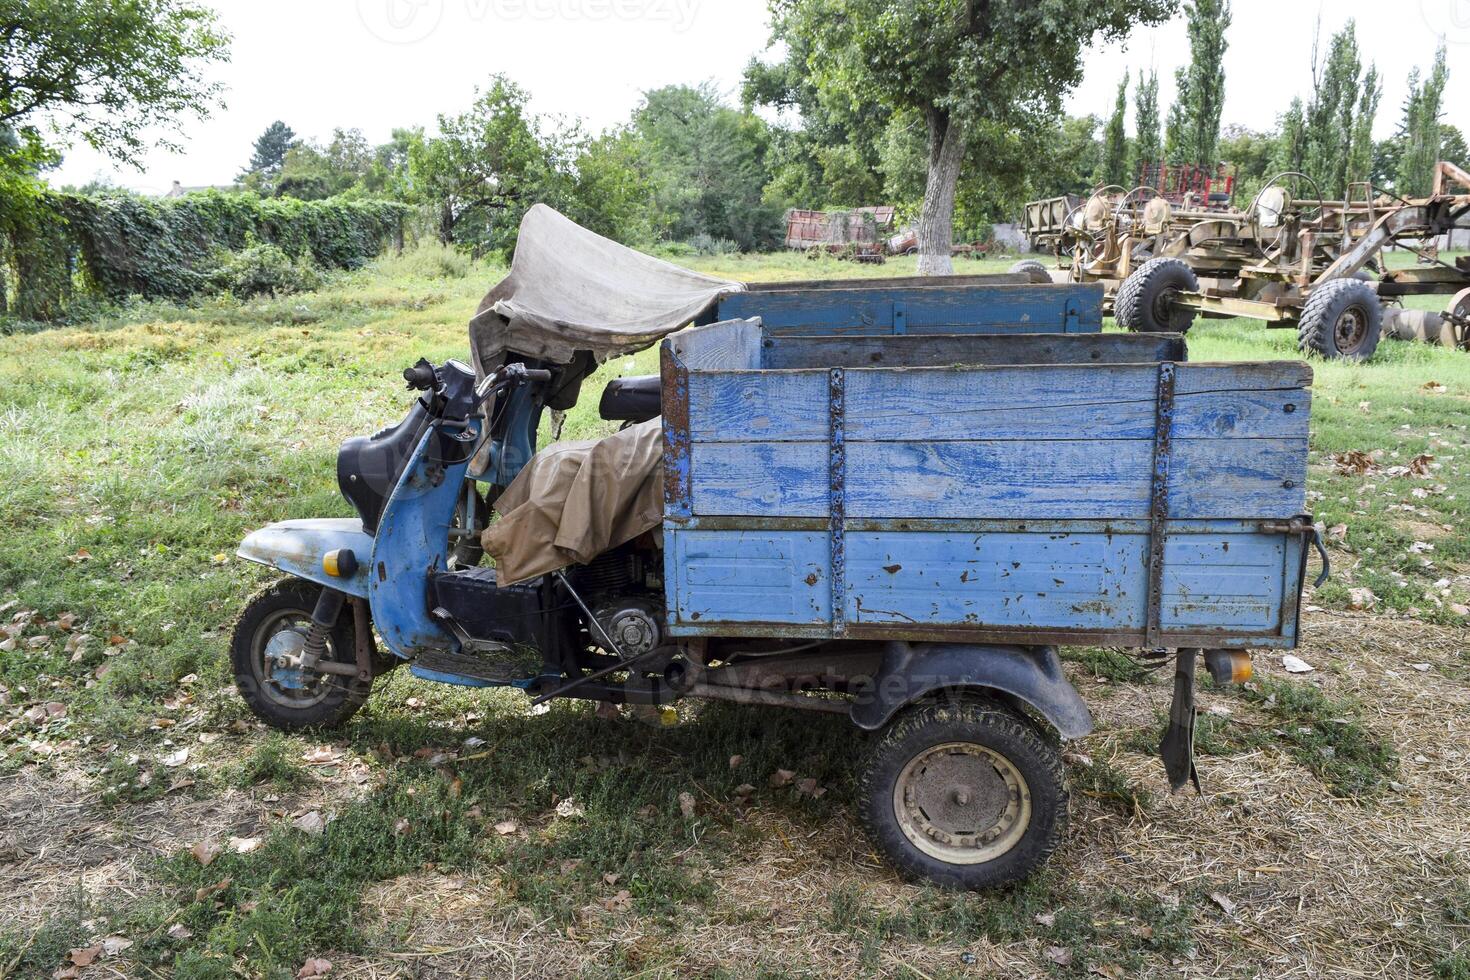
column 112, row 74
column 1291, row 144
column 1113, row 168
column 127, row 245
column 1249, row 154
column 981, row 77
column 270, row 150
column 262, row 268
column 1339, row 117
column 1148, row 146
column 1194, row 119
column 485, row 169
column 1324, row 735
column 1421, row 130
column 710, row 166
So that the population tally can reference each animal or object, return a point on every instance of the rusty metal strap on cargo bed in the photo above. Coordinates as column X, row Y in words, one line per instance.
column 1158, row 504
column 837, row 495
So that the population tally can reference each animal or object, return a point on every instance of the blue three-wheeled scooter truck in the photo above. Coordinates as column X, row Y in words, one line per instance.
column 891, row 499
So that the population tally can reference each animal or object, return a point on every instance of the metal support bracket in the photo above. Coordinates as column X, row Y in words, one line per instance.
column 837, row 496
column 1158, row 508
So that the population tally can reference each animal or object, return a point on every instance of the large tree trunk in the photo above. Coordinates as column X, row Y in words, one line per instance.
column 936, row 217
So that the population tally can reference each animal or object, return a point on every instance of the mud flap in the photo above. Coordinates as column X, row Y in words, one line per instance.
column 1177, row 746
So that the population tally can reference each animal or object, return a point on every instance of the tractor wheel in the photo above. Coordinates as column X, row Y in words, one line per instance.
column 1145, row 301
column 1342, row 319
column 1032, row 269
column 272, row 630
column 965, row 794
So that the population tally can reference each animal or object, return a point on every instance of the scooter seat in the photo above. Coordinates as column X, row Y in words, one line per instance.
column 634, row 399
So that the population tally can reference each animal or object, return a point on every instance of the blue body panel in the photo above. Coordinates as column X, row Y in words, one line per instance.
column 969, row 501
column 297, row 547
column 411, row 543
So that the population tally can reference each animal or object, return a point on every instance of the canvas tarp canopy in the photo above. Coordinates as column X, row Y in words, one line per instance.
column 572, row 290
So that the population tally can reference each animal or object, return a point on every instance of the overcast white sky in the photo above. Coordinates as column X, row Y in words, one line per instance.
column 377, row 64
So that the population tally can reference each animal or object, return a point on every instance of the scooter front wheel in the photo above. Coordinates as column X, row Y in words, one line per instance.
column 264, row 654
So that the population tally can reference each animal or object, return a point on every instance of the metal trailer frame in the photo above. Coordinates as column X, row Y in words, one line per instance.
column 1266, row 262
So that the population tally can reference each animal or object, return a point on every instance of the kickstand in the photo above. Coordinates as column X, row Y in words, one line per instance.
column 1177, row 746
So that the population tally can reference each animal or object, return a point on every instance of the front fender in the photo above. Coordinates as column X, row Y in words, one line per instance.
column 297, row 547
column 1030, row 674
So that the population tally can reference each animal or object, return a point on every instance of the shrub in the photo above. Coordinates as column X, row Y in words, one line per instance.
column 262, row 268
column 703, row 244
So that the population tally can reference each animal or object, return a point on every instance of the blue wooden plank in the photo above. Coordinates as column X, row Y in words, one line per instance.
column 1010, row 402
column 1210, row 478
column 729, row 345
column 750, row 576
column 1032, row 308
column 1092, row 580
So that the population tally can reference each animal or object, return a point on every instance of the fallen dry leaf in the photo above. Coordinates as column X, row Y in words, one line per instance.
column 809, row 787
column 782, row 777
column 175, row 759
column 401, row 826
column 314, row 967
column 736, row 761
column 113, row 945
column 506, row 827
column 208, row 891
column 205, row 852
column 1225, row 904
column 1060, row 955
column 620, row 902
column 180, row 931
column 310, row 823
column 1362, row 598
column 686, row 805
column 570, row 808
column 244, row 845
column 1434, row 387
column 85, row 955
column 1354, row 462
column 1296, row 665
column 321, row 755
column 1337, row 533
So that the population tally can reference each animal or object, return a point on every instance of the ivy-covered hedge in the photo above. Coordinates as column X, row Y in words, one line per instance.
column 118, row 246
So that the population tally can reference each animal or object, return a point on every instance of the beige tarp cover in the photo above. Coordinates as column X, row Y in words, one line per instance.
column 570, row 289
column 575, row 500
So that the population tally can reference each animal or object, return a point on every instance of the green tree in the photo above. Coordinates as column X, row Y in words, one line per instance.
column 1291, row 143
column 1113, row 168
column 1452, row 146
column 1339, row 116
column 833, row 156
column 1194, row 119
column 270, row 151
column 117, row 74
column 1421, row 129
column 613, row 192
column 711, row 166
column 484, row 169
column 1249, row 154
column 1147, row 145
column 977, row 72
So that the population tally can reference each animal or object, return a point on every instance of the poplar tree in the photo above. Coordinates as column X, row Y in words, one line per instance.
column 1194, row 119
column 1113, row 167
column 1422, row 132
column 1339, row 117
column 1147, row 148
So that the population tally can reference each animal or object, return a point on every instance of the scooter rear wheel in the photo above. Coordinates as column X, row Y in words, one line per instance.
column 273, row 624
column 966, row 794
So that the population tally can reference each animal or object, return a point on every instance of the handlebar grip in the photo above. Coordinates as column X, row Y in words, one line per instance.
column 538, row 374
column 420, row 377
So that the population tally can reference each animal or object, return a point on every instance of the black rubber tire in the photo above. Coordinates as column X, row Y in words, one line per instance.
column 343, row 695
column 1032, row 268
column 467, row 552
column 995, row 727
column 1324, row 328
column 1142, row 304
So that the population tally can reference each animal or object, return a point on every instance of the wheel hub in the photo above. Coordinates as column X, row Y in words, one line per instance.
column 283, row 651
column 962, row 802
column 1350, row 330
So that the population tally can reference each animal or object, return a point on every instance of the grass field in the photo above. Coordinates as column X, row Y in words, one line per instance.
column 147, row 813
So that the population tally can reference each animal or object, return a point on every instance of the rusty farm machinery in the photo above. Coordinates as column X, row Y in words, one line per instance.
column 1292, row 261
